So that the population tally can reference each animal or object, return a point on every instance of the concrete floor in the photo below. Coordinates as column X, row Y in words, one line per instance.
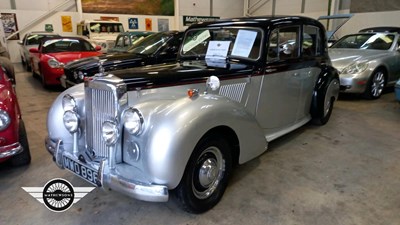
column 346, row 172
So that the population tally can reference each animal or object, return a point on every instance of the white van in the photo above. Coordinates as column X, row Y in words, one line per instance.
column 102, row 33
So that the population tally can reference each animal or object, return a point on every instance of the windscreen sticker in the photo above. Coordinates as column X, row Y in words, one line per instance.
column 196, row 41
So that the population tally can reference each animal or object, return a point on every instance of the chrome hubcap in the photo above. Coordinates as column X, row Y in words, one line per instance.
column 209, row 171
column 378, row 82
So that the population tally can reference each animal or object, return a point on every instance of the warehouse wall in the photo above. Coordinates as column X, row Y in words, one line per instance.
column 316, row 8
column 28, row 10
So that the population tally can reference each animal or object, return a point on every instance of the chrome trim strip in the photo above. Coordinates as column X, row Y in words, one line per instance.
column 10, row 150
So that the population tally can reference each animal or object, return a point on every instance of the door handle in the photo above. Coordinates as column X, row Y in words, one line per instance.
column 295, row 74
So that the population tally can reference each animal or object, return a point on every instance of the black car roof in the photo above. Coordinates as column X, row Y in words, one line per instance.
column 261, row 21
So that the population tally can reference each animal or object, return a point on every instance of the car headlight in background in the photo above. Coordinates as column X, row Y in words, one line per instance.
column 4, row 120
column 133, row 121
column 357, row 67
column 71, row 121
column 53, row 63
column 110, row 132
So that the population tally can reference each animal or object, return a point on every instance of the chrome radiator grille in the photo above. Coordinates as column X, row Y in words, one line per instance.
column 100, row 106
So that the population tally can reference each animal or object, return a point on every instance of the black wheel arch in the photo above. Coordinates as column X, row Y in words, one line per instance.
column 230, row 135
column 327, row 74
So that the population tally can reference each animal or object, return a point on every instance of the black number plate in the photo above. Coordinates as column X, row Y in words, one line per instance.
column 80, row 170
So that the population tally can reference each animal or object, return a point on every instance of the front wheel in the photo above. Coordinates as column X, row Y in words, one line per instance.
column 375, row 85
column 206, row 175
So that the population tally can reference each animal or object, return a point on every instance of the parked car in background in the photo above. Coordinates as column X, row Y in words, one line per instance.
column 368, row 62
column 157, row 48
column 381, row 29
column 183, row 126
column 126, row 39
column 32, row 40
column 49, row 58
column 14, row 146
column 397, row 90
column 101, row 33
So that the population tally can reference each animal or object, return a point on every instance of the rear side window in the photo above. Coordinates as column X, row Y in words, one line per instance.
column 283, row 44
column 311, row 44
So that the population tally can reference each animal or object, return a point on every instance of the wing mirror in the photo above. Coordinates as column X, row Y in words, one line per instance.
column 97, row 48
column 20, row 43
column 287, row 48
column 34, row 50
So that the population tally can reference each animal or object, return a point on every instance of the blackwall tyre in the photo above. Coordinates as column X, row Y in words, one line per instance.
column 206, row 175
column 24, row 157
column 324, row 105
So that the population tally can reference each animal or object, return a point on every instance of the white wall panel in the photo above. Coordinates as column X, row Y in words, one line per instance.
column 287, row 7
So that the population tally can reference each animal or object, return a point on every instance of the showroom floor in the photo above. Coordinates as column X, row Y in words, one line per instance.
column 346, row 172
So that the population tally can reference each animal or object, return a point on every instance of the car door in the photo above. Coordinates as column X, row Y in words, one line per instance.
column 311, row 53
column 281, row 85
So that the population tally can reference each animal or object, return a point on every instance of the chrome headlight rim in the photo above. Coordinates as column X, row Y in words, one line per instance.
column 133, row 121
column 69, row 103
column 110, row 134
column 71, row 121
column 5, row 120
column 355, row 68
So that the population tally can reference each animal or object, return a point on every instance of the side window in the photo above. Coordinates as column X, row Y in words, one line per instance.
column 120, row 42
column 283, row 43
column 311, row 45
column 126, row 41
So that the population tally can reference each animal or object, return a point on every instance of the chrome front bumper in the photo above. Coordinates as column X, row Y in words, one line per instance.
column 109, row 177
column 10, row 150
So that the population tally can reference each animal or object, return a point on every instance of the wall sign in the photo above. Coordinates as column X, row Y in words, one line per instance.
column 133, row 23
column 10, row 25
column 189, row 20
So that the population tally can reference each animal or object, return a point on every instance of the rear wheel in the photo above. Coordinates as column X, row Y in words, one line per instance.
column 375, row 85
column 24, row 157
column 206, row 175
column 324, row 107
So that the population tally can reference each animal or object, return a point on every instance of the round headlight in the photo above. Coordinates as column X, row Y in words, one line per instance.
column 133, row 121
column 110, row 132
column 53, row 63
column 81, row 75
column 71, row 121
column 68, row 103
column 4, row 120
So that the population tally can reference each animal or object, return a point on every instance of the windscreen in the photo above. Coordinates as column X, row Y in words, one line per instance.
column 66, row 45
column 222, row 43
column 150, row 44
column 376, row 41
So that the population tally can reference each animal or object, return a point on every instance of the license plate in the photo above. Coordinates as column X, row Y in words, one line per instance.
column 80, row 170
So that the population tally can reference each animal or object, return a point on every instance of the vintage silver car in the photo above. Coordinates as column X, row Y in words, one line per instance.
column 368, row 62
column 182, row 127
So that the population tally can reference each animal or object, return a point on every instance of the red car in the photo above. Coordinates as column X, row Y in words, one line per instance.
column 14, row 145
column 52, row 54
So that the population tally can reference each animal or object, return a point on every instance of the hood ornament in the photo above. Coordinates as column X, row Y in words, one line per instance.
column 101, row 72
